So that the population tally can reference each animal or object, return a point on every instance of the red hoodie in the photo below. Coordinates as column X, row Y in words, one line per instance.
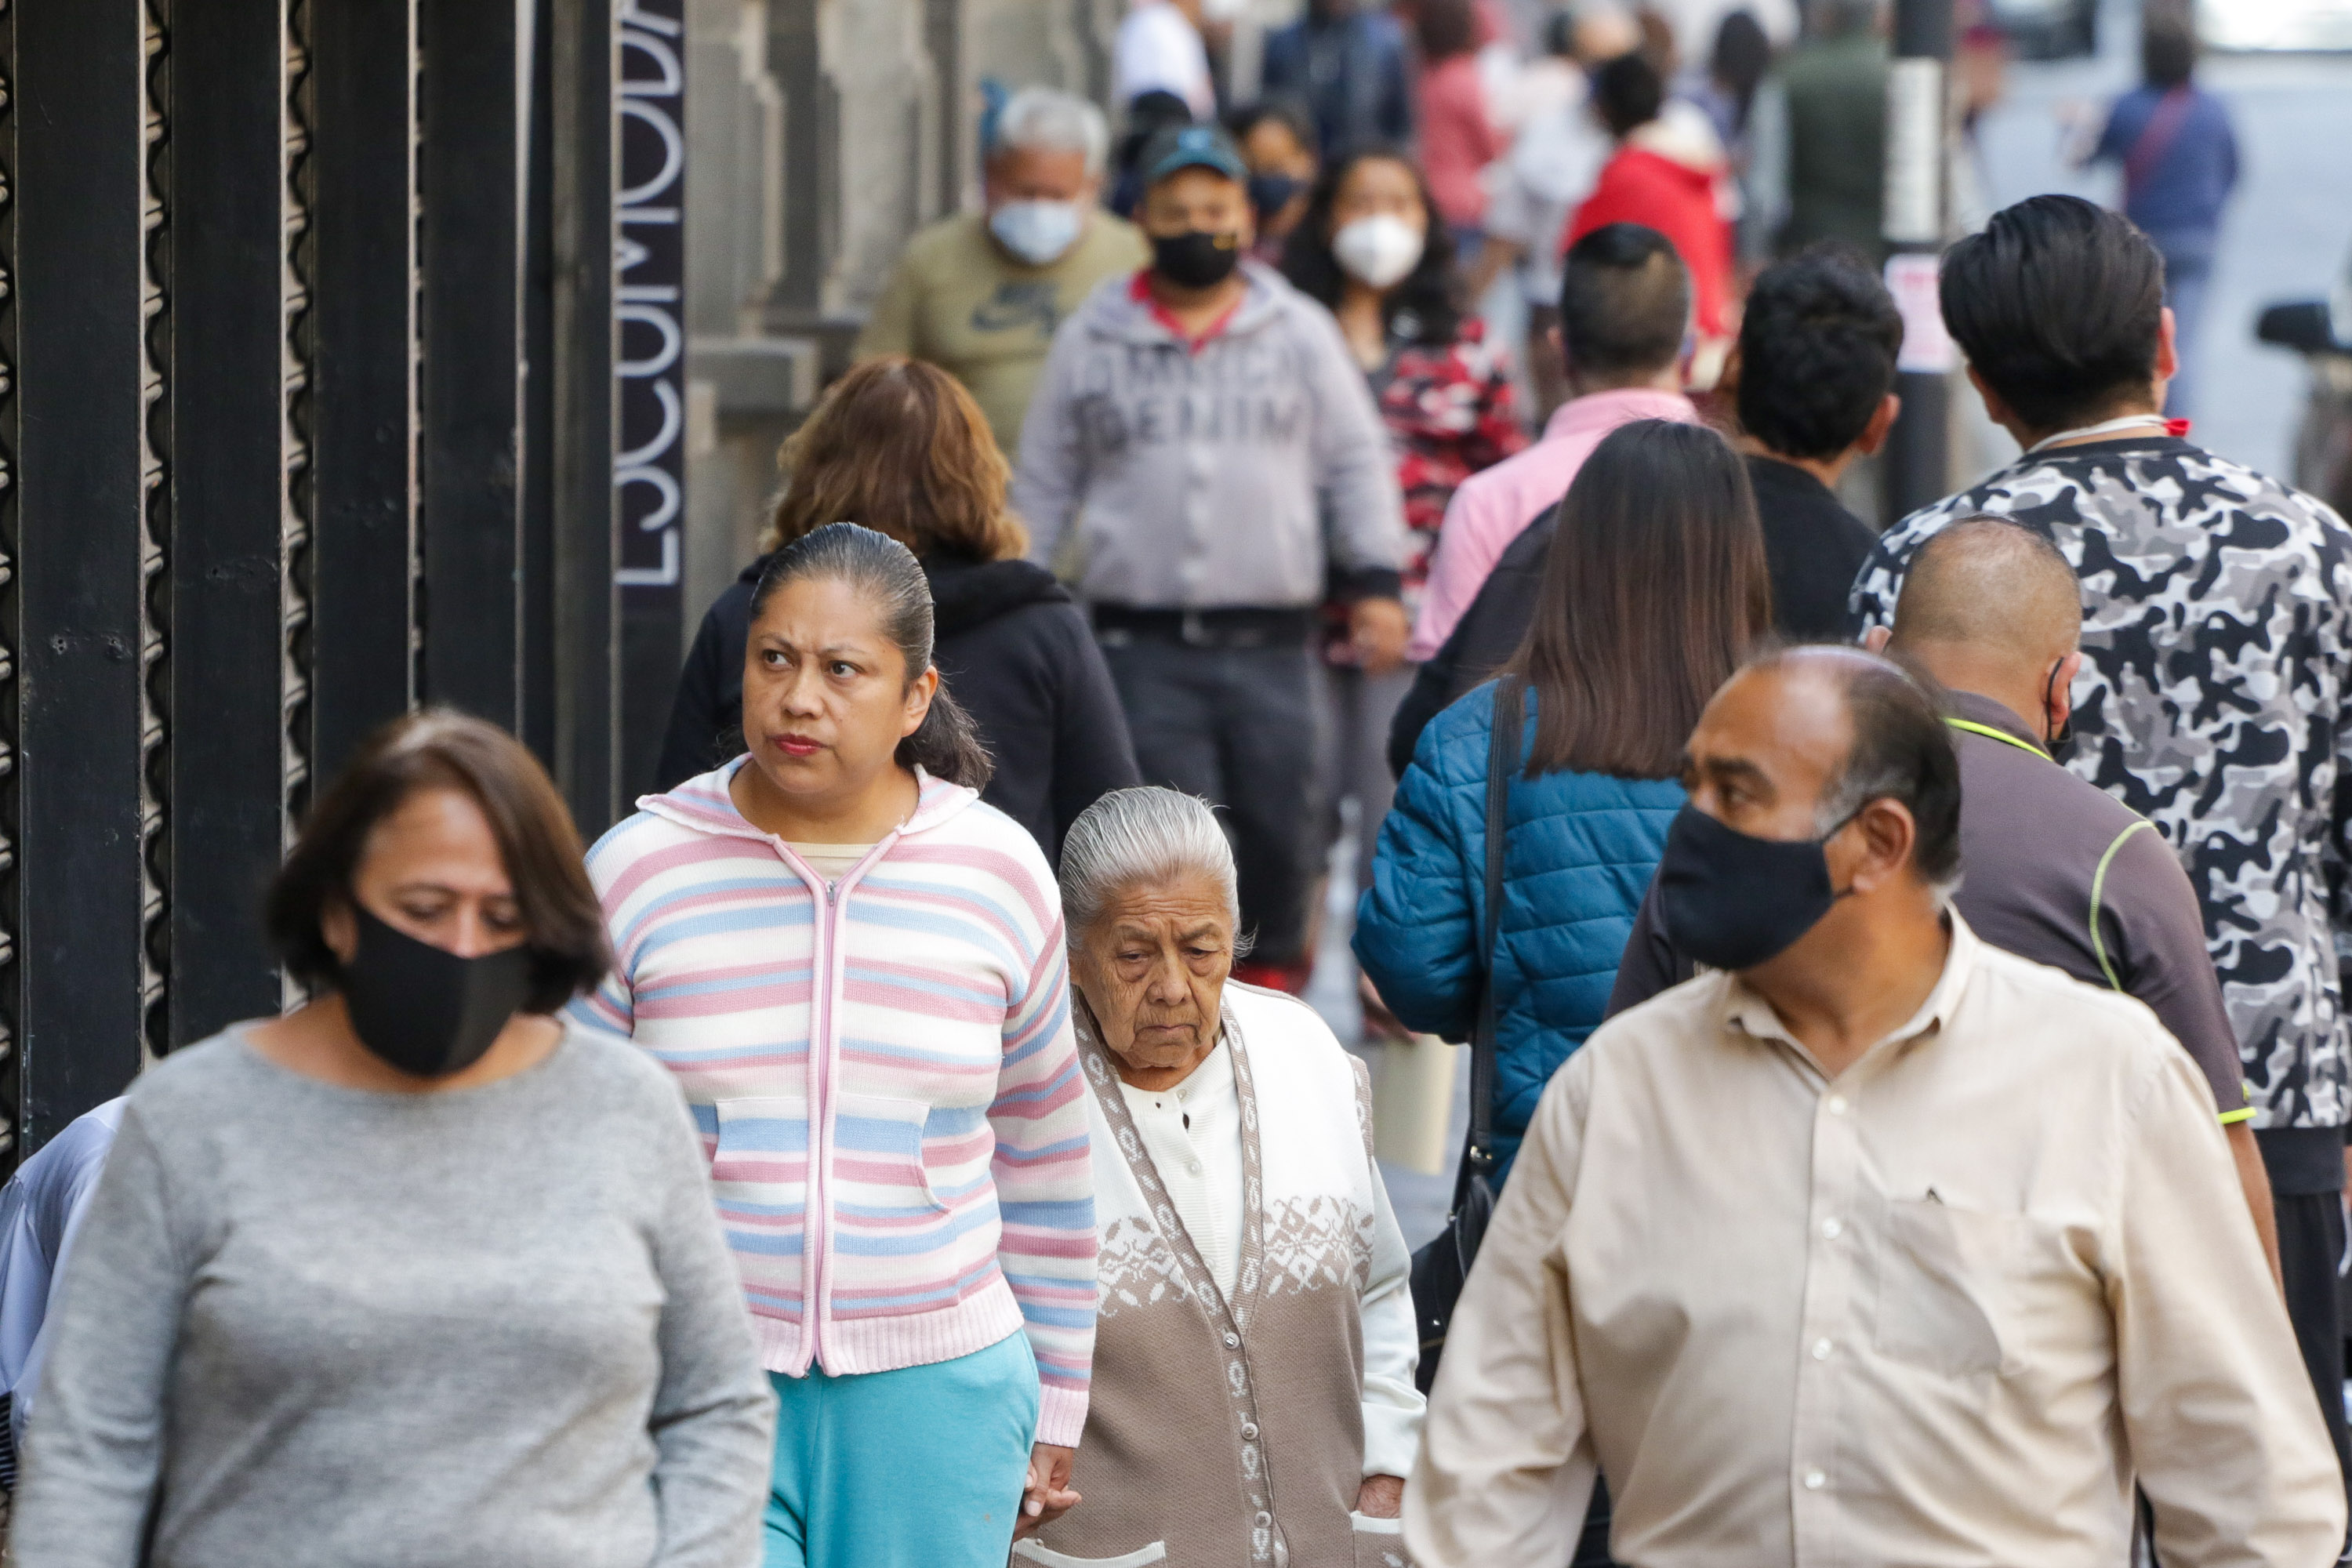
column 1638, row 185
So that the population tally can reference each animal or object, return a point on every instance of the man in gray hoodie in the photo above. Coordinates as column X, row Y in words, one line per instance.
column 1205, row 426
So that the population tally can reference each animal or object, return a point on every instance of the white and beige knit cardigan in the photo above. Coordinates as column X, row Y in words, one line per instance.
column 1223, row 1433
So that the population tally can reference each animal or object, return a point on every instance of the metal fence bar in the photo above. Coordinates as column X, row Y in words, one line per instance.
column 580, row 38
column 538, row 518
column 472, row 116
column 226, row 348
column 79, row 195
column 362, row 376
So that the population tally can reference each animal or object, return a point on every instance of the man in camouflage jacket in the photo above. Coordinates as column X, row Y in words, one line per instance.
column 2216, row 695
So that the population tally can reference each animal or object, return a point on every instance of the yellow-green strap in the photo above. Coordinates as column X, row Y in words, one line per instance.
column 2001, row 735
column 2227, row 1117
column 2098, row 887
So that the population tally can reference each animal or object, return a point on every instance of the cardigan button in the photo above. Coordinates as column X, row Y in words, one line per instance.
column 1249, row 1431
column 1232, row 1340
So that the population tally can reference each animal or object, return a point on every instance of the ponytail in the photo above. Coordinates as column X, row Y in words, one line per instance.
column 948, row 745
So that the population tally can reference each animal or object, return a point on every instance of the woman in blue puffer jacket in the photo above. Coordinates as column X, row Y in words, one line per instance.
column 1654, row 590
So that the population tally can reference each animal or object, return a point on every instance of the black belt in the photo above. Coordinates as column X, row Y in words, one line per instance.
column 1245, row 626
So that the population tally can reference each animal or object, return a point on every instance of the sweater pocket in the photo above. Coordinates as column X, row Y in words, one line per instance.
column 1047, row 1557
column 758, row 1173
column 878, row 1156
column 1380, row 1542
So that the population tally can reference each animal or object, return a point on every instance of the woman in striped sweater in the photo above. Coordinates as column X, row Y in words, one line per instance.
column 857, row 971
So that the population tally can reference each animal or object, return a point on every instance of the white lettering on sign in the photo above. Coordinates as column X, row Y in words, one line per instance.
column 649, row 263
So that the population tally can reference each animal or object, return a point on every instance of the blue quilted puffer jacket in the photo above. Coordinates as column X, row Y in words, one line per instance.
column 1577, row 855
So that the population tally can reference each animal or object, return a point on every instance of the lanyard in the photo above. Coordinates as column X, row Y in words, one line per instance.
column 1973, row 727
column 2110, row 427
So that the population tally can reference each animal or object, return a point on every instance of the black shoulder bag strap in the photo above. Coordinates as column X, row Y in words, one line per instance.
column 1502, row 761
column 1440, row 1268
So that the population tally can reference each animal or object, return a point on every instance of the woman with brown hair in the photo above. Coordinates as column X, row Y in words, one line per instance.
column 1654, row 590
column 900, row 447
column 417, row 1272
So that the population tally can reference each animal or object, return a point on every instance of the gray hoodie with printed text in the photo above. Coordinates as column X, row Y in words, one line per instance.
column 1245, row 471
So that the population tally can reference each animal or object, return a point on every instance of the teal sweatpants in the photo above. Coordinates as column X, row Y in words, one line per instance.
column 921, row 1468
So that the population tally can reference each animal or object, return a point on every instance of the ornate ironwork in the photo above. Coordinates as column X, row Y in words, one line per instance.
column 295, row 519
column 154, row 545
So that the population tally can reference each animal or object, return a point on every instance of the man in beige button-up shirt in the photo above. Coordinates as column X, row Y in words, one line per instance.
column 1876, row 1246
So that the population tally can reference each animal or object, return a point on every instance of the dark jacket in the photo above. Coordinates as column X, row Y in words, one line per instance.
column 1012, row 646
column 1353, row 74
column 1813, row 548
column 1579, row 849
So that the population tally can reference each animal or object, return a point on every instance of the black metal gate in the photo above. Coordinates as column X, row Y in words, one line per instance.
column 307, row 414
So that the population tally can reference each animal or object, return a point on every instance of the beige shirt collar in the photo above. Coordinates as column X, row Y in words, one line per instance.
column 1751, row 1015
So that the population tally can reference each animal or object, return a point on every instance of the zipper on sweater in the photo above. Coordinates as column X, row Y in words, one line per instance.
column 816, row 1224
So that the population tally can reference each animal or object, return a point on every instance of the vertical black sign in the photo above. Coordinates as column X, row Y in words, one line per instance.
column 649, row 467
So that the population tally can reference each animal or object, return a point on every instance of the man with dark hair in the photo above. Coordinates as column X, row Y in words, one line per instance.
column 2215, row 694
column 1813, row 381
column 1876, row 1244
column 1624, row 308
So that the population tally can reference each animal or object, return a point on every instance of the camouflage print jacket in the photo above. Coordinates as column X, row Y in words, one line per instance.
column 2216, row 699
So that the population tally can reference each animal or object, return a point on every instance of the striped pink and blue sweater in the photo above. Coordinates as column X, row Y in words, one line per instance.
column 885, row 1078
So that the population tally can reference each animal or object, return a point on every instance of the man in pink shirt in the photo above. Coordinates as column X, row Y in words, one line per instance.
column 1625, row 311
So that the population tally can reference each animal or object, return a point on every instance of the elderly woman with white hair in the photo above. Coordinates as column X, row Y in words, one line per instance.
column 1252, row 1397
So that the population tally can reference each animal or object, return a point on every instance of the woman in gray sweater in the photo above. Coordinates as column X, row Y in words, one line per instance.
column 415, row 1274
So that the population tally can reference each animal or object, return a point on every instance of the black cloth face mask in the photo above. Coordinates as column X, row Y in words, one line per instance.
column 424, row 1009
column 1195, row 259
column 1270, row 193
column 1732, row 902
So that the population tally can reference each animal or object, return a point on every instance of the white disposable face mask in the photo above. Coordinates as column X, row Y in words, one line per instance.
column 1037, row 232
column 1377, row 250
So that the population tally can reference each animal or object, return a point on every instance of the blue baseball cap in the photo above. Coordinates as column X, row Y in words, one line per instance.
column 1176, row 147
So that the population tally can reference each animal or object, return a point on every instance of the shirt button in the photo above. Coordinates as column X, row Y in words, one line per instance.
column 1837, row 1105
column 1249, row 1431
column 1815, row 1480
column 1821, row 1350
column 1232, row 1340
column 1194, row 1167
column 1830, row 1228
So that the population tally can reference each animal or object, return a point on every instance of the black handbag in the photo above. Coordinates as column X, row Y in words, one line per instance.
column 1440, row 1268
